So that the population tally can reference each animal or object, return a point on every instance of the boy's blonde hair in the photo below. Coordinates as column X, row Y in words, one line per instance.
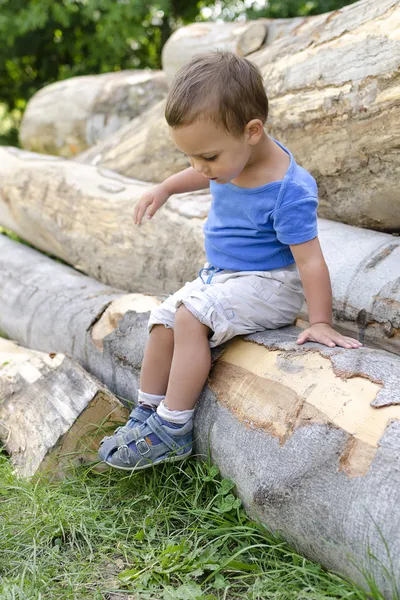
column 219, row 85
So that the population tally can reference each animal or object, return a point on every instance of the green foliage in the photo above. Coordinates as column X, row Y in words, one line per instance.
column 296, row 8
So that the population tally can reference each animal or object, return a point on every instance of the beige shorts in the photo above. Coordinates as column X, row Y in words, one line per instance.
column 234, row 303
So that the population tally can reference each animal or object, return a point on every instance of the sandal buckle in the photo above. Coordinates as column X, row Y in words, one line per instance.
column 142, row 446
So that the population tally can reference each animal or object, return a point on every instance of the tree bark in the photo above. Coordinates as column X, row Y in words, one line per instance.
column 309, row 434
column 66, row 117
column 52, row 413
column 334, row 89
column 82, row 214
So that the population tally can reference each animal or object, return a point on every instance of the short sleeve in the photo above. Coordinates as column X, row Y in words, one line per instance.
column 295, row 218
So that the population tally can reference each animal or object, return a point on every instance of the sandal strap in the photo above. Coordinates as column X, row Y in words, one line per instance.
column 138, row 415
column 156, row 428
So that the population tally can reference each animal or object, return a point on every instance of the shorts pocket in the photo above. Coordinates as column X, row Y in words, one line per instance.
column 221, row 304
column 265, row 287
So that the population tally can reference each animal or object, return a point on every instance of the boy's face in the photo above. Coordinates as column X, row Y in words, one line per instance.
column 212, row 151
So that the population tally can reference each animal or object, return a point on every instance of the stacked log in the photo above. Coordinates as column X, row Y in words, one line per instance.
column 66, row 117
column 83, row 215
column 186, row 42
column 333, row 85
column 310, row 435
column 55, row 203
column 142, row 149
column 53, row 413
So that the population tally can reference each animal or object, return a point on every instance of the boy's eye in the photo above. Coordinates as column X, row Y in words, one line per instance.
column 210, row 158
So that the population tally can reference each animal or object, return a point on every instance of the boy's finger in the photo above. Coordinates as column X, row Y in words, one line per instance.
column 151, row 212
column 302, row 338
column 142, row 207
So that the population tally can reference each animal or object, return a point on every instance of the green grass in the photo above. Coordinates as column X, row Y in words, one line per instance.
column 170, row 532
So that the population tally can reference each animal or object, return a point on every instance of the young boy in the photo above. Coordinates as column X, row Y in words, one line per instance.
column 261, row 233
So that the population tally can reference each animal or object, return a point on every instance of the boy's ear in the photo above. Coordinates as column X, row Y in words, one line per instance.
column 254, row 130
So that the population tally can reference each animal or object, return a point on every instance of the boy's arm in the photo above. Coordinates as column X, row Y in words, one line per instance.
column 188, row 180
column 317, row 289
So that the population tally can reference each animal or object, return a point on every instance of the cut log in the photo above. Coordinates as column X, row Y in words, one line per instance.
column 52, row 412
column 45, row 304
column 365, row 272
column 334, row 90
column 67, row 117
column 63, row 201
column 240, row 38
column 294, row 428
column 142, row 149
column 335, row 101
column 310, row 435
column 83, row 215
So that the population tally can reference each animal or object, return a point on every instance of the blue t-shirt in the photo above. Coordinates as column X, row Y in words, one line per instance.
column 250, row 229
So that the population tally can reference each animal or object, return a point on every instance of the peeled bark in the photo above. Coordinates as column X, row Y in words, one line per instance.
column 66, row 117
column 334, row 90
column 82, row 214
column 309, row 434
column 52, row 413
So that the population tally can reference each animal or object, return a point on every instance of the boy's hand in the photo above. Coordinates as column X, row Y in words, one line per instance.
column 325, row 334
column 151, row 201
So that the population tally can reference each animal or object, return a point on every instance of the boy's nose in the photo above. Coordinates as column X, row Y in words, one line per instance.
column 199, row 167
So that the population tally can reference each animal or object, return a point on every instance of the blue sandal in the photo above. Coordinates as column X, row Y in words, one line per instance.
column 175, row 445
column 139, row 415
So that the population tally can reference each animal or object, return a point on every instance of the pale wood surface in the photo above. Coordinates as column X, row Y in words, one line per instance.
column 186, row 42
column 66, row 117
column 84, row 215
column 52, row 412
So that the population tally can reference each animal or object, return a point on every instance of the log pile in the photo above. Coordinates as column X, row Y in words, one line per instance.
column 333, row 84
column 83, row 215
column 318, row 429
column 67, row 117
column 310, row 435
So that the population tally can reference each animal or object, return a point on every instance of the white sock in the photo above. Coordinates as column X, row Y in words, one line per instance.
column 180, row 417
column 149, row 399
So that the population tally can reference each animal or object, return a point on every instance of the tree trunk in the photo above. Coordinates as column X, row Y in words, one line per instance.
column 334, row 91
column 335, row 101
column 83, row 215
column 52, row 413
column 142, row 149
column 309, row 434
column 66, row 117
column 45, row 305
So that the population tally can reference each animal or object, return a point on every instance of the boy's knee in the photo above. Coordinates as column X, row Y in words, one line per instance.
column 186, row 321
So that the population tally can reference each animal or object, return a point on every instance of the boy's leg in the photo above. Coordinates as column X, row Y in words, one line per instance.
column 167, row 435
column 157, row 361
column 191, row 361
